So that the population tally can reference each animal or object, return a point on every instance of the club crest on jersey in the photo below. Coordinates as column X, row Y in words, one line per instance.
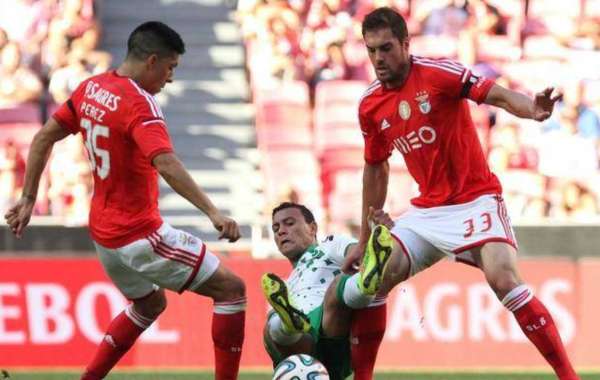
column 423, row 99
column 404, row 110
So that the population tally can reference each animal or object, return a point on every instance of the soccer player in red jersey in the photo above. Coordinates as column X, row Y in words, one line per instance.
column 128, row 143
column 418, row 106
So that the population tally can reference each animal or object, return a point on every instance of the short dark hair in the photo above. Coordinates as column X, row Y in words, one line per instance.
column 385, row 17
column 154, row 37
column 306, row 213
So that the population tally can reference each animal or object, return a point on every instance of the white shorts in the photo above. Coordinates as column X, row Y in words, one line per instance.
column 167, row 258
column 429, row 234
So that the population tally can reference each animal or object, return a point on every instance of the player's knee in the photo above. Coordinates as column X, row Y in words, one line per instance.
column 502, row 282
column 152, row 306
column 236, row 288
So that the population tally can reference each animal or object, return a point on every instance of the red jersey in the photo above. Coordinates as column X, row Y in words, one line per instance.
column 123, row 129
column 427, row 119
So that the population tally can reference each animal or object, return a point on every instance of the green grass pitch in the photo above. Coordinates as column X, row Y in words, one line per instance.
column 197, row 375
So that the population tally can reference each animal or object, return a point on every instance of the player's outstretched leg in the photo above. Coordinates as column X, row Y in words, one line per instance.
column 123, row 332
column 275, row 290
column 377, row 254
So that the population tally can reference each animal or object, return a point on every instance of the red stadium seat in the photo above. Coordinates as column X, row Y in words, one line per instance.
column 296, row 169
column 434, row 46
column 280, row 136
column 20, row 133
column 22, row 113
column 347, row 92
column 492, row 48
column 338, row 138
column 293, row 92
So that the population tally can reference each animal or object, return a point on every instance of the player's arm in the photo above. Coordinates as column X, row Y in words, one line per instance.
column 539, row 108
column 173, row 171
column 374, row 192
column 18, row 216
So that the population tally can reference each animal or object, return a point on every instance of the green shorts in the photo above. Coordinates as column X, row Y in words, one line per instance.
column 334, row 353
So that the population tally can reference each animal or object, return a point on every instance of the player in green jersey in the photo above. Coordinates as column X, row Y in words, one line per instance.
column 312, row 309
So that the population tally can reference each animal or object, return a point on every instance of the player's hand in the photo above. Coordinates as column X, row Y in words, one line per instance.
column 544, row 104
column 18, row 216
column 227, row 227
column 380, row 217
column 353, row 258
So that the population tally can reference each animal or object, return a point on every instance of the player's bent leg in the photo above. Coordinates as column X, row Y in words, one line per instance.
column 397, row 271
column 228, row 292
column 366, row 324
column 123, row 332
column 498, row 261
column 279, row 344
column 337, row 316
column 276, row 293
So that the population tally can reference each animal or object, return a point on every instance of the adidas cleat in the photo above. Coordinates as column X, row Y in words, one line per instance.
column 275, row 290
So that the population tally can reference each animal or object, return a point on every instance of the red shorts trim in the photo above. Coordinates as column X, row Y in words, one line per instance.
column 405, row 251
column 195, row 270
column 484, row 241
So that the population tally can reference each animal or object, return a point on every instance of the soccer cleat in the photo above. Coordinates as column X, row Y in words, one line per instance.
column 377, row 254
column 294, row 320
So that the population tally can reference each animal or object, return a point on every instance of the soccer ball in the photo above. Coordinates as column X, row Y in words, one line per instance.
column 300, row 367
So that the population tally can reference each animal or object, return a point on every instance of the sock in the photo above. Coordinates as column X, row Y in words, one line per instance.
column 367, row 330
column 538, row 325
column 120, row 336
column 349, row 293
column 278, row 334
column 228, row 336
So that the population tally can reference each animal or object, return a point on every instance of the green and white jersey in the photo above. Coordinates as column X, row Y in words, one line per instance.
column 315, row 270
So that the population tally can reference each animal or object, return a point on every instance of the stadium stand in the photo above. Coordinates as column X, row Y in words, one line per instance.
column 49, row 47
column 524, row 45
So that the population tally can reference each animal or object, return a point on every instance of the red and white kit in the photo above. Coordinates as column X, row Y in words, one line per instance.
column 124, row 129
column 428, row 121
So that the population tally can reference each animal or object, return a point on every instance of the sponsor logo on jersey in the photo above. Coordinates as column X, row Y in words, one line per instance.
column 404, row 110
column 415, row 139
column 385, row 124
column 423, row 99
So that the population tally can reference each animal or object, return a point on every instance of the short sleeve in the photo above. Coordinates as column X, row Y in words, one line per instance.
column 376, row 148
column 148, row 128
column 458, row 81
column 66, row 116
column 336, row 247
column 152, row 138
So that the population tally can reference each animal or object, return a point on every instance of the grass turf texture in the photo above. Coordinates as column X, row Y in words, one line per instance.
column 177, row 375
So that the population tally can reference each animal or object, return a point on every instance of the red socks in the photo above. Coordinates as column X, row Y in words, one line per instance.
column 120, row 336
column 368, row 328
column 228, row 336
column 538, row 325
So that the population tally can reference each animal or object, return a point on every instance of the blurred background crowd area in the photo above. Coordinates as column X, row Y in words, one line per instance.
column 47, row 47
column 308, row 67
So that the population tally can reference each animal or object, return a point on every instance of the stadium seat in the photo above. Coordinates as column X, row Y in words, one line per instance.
column 493, row 48
column 439, row 46
column 20, row 133
column 283, row 136
column 337, row 138
column 347, row 92
column 293, row 92
column 22, row 113
column 291, row 169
